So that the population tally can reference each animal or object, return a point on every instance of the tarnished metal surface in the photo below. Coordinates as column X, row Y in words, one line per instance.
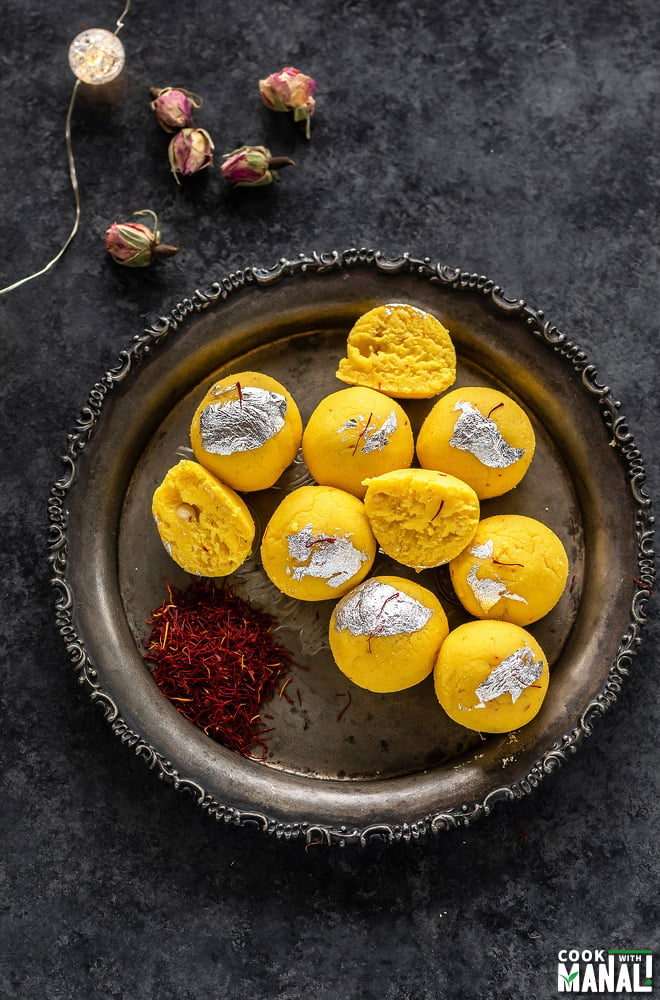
column 391, row 766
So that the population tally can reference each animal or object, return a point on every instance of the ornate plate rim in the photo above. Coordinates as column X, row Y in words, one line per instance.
column 320, row 263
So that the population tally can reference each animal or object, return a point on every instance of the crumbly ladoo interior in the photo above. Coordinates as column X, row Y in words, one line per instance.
column 204, row 525
column 400, row 350
column 420, row 517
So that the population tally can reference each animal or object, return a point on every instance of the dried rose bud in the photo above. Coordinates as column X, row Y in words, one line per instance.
column 290, row 90
column 190, row 150
column 252, row 166
column 134, row 244
column 173, row 107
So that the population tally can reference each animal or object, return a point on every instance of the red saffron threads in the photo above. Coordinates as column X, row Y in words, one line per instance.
column 378, row 628
column 240, row 394
column 349, row 696
column 492, row 410
column 283, row 693
column 363, row 432
column 442, row 503
column 643, row 585
column 387, row 601
column 498, row 562
column 522, row 683
column 521, row 834
column 214, row 657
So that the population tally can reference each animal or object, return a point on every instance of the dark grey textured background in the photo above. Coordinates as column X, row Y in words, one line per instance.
column 518, row 140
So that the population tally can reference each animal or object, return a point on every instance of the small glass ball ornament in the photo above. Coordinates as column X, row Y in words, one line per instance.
column 96, row 56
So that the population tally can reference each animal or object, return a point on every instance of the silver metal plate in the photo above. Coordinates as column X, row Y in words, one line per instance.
column 390, row 766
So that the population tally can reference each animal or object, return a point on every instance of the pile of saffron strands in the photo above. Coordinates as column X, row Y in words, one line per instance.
column 216, row 660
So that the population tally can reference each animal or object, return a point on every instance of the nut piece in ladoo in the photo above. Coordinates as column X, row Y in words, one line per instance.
column 318, row 544
column 420, row 517
column 480, row 435
column 246, row 430
column 354, row 434
column 514, row 569
column 491, row 676
column 204, row 525
column 399, row 350
column 385, row 633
